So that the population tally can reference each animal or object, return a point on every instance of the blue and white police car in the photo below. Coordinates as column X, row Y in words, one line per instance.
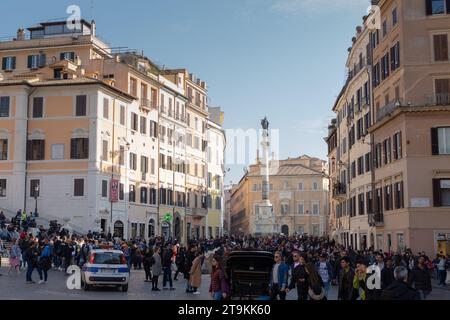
column 105, row 268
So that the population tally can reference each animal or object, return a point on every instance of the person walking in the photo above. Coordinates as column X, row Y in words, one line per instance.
column 299, row 277
column 399, row 289
column 345, row 280
column 316, row 287
column 190, row 256
column 219, row 288
column 442, row 270
column 420, row 278
column 147, row 261
column 44, row 262
column 180, row 261
column 167, row 267
column 325, row 271
column 279, row 277
column 387, row 274
column 156, row 268
column 15, row 255
column 31, row 257
column 195, row 274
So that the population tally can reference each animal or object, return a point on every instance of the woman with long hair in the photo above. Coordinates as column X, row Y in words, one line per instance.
column 316, row 289
column 218, row 288
column 15, row 255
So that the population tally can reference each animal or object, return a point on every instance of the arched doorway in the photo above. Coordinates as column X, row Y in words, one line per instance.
column 118, row 229
column 177, row 227
column 151, row 228
column 285, row 230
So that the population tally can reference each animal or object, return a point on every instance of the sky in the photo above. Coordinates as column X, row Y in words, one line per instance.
column 284, row 59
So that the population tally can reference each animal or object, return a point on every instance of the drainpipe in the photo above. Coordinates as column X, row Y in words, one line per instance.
column 30, row 93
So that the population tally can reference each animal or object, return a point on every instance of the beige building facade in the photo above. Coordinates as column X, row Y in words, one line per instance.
column 407, row 203
column 298, row 193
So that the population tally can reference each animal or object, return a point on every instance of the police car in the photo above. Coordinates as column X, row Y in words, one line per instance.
column 105, row 267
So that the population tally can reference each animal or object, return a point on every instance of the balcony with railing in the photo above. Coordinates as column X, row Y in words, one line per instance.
column 387, row 110
column 376, row 219
column 197, row 212
column 439, row 99
column 339, row 190
column 145, row 104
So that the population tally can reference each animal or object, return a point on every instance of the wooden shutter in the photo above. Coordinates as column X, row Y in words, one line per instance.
column 41, row 155
column 437, row 192
column 4, row 64
column 429, row 7
column 434, row 141
column 402, row 197
column 61, row 56
column 29, row 149
column 395, row 147
column 42, row 60
column 448, row 6
column 73, row 148
column 30, row 62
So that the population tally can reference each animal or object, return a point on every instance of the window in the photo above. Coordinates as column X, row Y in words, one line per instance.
column 440, row 44
column 395, row 57
column 34, row 62
column 144, row 195
column 134, row 121
column 4, row 107
column 300, row 186
column 133, row 161
column 399, row 199
column 57, row 152
column 81, row 109
column 79, row 148
column 143, row 125
column 440, row 141
column 105, row 150
column 394, row 17
column 301, row 208
column 388, row 198
column 398, row 146
column 9, row 63
column 375, row 39
column 67, row 56
column 360, row 165
column 38, row 107
column 315, row 186
column 122, row 115
column 436, row 7
column 106, row 108
column 368, row 161
column 35, row 188
column 442, row 91
column 133, row 87
column 3, row 149
column 2, row 188
column 104, row 189
column 36, row 150
column 153, row 196
column 387, row 151
column 361, row 206
column 378, row 156
column 152, row 166
column 132, row 193
column 385, row 28
column 316, row 208
column 121, row 192
column 153, row 129
column 441, row 192
column 385, row 67
column 369, row 202
column 144, row 164
column 78, row 189
column 284, row 209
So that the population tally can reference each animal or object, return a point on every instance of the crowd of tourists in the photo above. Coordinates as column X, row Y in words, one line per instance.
column 308, row 265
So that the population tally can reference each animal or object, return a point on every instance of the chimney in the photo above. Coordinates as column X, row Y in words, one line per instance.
column 20, row 34
column 93, row 28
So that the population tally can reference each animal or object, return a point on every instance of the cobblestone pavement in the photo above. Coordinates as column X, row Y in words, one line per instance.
column 13, row 287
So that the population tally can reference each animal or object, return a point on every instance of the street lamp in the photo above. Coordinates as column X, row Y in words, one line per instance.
column 36, row 192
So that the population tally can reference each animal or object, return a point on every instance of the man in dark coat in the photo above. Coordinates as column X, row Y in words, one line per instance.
column 420, row 278
column 399, row 289
column 299, row 276
column 345, row 280
column 387, row 274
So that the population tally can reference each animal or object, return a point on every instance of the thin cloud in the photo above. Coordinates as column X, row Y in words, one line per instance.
column 299, row 6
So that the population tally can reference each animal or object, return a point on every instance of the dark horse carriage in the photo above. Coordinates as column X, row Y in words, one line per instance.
column 249, row 274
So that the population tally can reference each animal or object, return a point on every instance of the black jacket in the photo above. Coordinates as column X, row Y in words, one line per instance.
column 420, row 279
column 387, row 277
column 400, row 291
column 167, row 259
column 298, row 274
column 345, row 281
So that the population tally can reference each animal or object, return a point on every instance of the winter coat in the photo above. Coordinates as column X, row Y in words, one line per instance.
column 195, row 274
column 345, row 280
column 157, row 265
column 420, row 279
column 400, row 291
